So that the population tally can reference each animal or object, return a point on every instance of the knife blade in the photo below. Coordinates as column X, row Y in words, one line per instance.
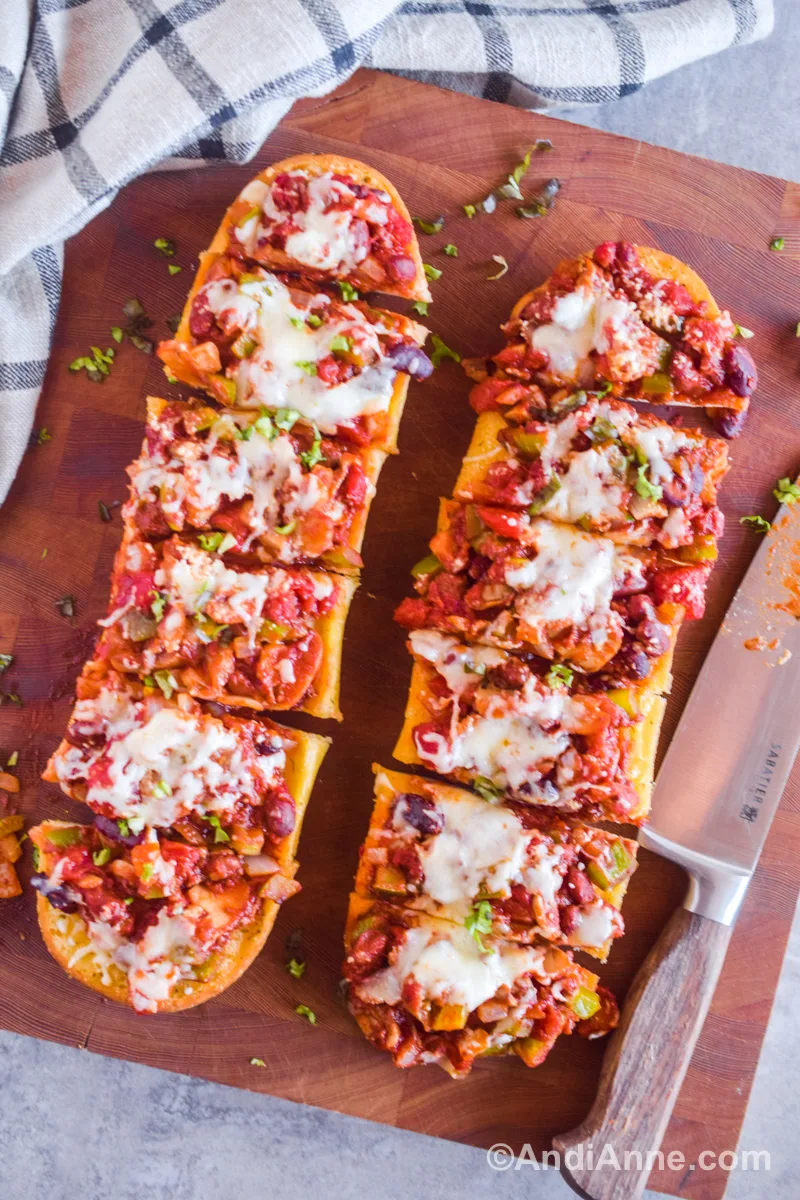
column 730, row 757
column 713, row 803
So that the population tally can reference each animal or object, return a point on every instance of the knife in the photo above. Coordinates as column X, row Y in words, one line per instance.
column 713, row 803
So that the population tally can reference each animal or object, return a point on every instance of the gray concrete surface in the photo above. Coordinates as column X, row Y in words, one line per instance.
column 75, row 1125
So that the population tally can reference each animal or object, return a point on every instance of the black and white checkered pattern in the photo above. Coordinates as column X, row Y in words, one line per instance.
column 94, row 92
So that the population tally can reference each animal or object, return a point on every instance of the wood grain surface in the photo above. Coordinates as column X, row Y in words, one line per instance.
column 441, row 150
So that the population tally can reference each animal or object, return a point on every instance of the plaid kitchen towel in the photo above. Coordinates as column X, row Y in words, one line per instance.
column 94, row 92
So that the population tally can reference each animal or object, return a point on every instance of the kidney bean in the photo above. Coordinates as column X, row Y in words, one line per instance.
column 630, row 662
column 510, row 675
column 741, row 375
column 401, row 268
column 419, row 811
column 201, row 318
column 59, row 897
column 84, row 734
column 654, row 637
column 728, row 421
column 111, row 830
column 641, row 608
column 290, row 193
column 570, row 919
column 366, row 954
column 406, row 859
column 410, row 358
column 579, row 886
column 280, row 816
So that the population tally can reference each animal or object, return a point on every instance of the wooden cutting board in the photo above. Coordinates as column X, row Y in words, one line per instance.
column 441, row 150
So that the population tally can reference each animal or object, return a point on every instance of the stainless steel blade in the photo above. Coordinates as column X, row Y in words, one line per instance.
column 731, row 755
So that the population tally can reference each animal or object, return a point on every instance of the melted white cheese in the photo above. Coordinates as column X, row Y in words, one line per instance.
column 445, row 960
column 481, row 849
column 582, row 321
column 268, row 471
column 156, row 963
column 659, row 442
column 544, row 874
column 280, row 371
column 597, row 924
column 160, row 764
column 593, row 319
column 201, row 583
column 589, row 488
column 323, row 240
column 571, row 581
column 457, row 663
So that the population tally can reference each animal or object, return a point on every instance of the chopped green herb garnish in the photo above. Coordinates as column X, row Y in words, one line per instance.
column 101, row 857
column 158, row 604
column 43, row 435
column 166, row 681
column 257, row 1062
column 310, row 458
column 786, row 492
column 174, row 269
column 165, row 246
column 538, row 207
column 603, row 430
column 286, row 529
column 348, row 291
column 450, row 250
column 431, row 272
column 285, row 418
column 797, row 329
column 104, row 511
column 13, row 759
column 45, row 552
column 123, row 827
column 116, row 333
column 421, row 307
column 298, row 322
column 435, row 226
column 643, row 486
column 5, row 662
column 295, row 968
column 478, row 921
column 264, row 425
column 441, row 351
column 486, row 789
column 244, row 433
column 303, row 1010
column 216, row 543
column 744, row 333
column 161, row 790
column 147, row 872
column 340, row 344
column 777, row 243
column 470, row 211
column 66, row 607
column 559, row 673
column 755, row 522
column 219, row 833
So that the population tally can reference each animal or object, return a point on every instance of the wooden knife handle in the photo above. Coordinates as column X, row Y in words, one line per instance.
column 647, row 1058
